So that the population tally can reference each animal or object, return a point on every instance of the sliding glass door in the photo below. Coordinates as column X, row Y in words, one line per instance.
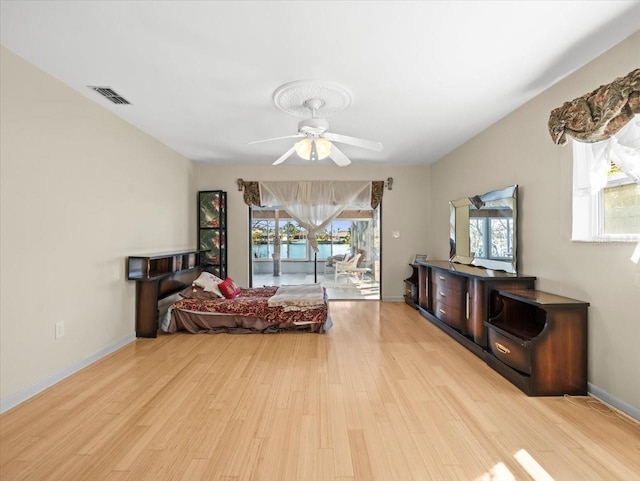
column 281, row 254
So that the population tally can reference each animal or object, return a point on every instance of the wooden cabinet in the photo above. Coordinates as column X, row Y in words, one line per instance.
column 535, row 339
column 411, row 287
column 159, row 276
column 212, row 230
column 455, row 297
column 538, row 341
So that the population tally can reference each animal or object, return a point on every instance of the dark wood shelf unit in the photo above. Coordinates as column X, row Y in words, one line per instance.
column 513, row 321
column 159, row 276
column 212, row 231
column 149, row 267
column 411, row 287
column 538, row 341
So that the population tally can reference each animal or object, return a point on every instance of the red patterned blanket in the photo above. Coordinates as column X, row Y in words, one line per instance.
column 252, row 302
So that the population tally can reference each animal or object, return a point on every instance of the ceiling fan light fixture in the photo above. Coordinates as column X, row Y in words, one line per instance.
column 323, row 146
column 315, row 101
column 304, row 148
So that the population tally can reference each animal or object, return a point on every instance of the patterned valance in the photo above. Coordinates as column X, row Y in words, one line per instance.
column 252, row 192
column 597, row 115
column 377, row 189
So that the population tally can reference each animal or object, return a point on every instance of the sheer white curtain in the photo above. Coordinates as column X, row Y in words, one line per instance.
column 592, row 162
column 594, row 159
column 314, row 204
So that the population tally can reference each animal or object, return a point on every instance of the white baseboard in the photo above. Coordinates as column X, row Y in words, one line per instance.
column 393, row 299
column 24, row 394
column 607, row 398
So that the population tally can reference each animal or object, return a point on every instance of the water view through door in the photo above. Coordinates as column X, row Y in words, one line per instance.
column 347, row 263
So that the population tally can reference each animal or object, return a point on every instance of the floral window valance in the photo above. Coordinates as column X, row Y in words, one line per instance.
column 313, row 204
column 252, row 192
column 598, row 115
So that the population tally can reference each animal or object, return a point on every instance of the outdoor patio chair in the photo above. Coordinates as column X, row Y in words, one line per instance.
column 346, row 267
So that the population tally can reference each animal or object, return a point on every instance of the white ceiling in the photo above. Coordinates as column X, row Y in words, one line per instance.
column 424, row 76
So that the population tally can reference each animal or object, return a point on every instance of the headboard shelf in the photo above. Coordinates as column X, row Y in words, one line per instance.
column 158, row 276
column 149, row 267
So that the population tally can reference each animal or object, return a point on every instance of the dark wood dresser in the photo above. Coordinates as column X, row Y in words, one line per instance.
column 535, row 339
column 456, row 297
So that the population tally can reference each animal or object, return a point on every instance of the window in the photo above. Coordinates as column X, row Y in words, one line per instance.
column 291, row 238
column 620, row 203
column 336, row 239
column 606, row 202
column 498, row 236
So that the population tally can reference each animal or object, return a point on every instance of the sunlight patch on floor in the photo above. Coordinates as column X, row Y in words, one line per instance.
column 500, row 472
column 531, row 466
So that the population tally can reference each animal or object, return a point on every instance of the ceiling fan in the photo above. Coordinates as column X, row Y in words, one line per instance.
column 317, row 142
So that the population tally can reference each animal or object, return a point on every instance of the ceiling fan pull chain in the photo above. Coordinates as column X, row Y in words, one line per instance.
column 314, row 151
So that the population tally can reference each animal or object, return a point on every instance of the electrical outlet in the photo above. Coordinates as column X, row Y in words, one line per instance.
column 59, row 329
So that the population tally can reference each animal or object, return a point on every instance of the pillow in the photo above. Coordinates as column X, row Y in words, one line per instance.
column 229, row 288
column 195, row 292
column 209, row 283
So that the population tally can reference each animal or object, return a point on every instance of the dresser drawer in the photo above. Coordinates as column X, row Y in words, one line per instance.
column 442, row 280
column 455, row 316
column 450, row 297
column 514, row 353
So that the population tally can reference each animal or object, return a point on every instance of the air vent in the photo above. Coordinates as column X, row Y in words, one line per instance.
column 110, row 94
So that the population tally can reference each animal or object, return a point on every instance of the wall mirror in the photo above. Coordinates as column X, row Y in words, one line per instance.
column 483, row 230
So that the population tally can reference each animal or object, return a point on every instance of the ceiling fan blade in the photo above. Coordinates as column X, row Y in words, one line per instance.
column 285, row 156
column 338, row 157
column 345, row 139
column 278, row 138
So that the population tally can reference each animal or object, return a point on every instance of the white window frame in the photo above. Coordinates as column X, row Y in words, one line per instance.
column 588, row 212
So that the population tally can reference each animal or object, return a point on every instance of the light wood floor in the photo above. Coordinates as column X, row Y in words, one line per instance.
column 384, row 396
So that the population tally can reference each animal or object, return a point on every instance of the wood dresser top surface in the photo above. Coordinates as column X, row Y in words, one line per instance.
column 473, row 271
column 539, row 297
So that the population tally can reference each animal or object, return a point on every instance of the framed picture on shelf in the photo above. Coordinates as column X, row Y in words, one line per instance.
column 210, row 245
column 212, row 209
column 419, row 258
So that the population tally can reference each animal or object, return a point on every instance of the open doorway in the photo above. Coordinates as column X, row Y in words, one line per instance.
column 347, row 263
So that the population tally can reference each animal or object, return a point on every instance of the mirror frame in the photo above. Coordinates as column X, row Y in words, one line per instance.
column 459, row 229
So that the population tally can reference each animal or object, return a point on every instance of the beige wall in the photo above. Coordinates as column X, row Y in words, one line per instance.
column 404, row 209
column 80, row 190
column 519, row 150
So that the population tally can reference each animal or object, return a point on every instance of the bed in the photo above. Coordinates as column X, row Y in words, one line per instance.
column 264, row 309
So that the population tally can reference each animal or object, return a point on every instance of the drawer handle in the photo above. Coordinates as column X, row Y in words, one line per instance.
column 442, row 294
column 502, row 349
column 442, row 311
column 442, row 278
